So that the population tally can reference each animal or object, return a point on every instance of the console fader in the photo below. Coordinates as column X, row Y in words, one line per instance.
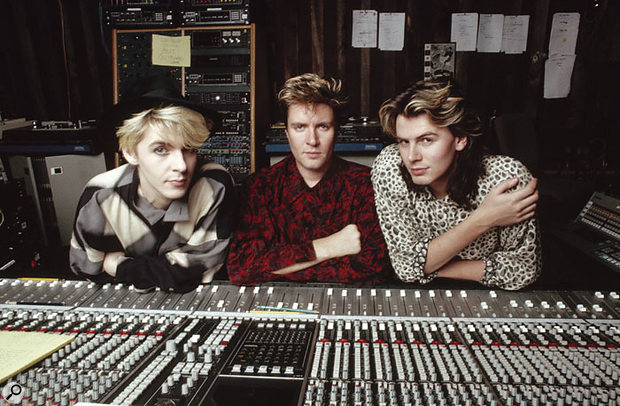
column 290, row 344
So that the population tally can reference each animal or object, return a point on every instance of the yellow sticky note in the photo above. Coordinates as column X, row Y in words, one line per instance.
column 21, row 349
column 171, row 51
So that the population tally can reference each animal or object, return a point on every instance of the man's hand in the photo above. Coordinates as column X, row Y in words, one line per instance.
column 501, row 207
column 344, row 242
column 110, row 262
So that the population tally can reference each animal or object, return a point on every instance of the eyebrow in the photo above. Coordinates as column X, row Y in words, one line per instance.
column 158, row 143
column 426, row 134
column 305, row 123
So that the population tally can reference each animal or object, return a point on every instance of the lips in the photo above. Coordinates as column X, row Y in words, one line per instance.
column 177, row 182
column 418, row 171
column 312, row 154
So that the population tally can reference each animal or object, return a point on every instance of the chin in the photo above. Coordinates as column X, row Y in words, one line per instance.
column 419, row 181
column 176, row 194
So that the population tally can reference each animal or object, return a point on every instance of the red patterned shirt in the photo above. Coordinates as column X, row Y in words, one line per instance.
column 280, row 216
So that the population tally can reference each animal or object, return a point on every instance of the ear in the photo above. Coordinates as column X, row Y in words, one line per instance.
column 130, row 157
column 460, row 143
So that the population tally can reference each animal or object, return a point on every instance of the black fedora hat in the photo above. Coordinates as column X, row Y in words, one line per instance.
column 152, row 92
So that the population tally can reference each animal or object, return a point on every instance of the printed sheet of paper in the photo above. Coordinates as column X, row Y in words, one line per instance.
column 364, row 29
column 391, row 31
column 490, row 30
column 171, row 51
column 22, row 349
column 464, row 30
column 514, row 39
column 558, row 72
column 564, row 30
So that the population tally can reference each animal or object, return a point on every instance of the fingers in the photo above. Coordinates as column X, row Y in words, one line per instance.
column 526, row 192
column 506, row 185
column 531, row 186
column 527, row 200
column 528, row 212
column 534, row 183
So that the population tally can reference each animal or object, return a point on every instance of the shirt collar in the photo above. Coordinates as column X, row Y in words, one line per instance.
column 298, row 186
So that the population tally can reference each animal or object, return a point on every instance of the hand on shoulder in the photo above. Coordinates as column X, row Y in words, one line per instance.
column 502, row 207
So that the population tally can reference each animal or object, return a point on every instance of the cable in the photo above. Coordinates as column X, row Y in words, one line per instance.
column 1, row 217
column 101, row 33
column 64, row 54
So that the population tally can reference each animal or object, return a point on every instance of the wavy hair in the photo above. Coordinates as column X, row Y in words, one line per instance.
column 189, row 124
column 444, row 105
column 310, row 88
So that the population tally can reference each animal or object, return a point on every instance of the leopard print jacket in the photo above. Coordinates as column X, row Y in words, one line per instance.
column 410, row 220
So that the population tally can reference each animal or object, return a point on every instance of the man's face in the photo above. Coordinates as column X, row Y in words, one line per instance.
column 311, row 132
column 165, row 168
column 428, row 151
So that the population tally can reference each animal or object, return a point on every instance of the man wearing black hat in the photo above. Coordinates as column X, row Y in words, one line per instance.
column 161, row 220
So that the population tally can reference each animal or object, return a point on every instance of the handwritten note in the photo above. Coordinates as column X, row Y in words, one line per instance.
column 490, row 32
column 564, row 30
column 391, row 31
column 514, row 39
column 171, row 51
column 22, row 349
column 558, row 73
column 463, row 31
column 364, row 29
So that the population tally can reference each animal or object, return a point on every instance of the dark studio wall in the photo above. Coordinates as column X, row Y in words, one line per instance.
column 55, row 64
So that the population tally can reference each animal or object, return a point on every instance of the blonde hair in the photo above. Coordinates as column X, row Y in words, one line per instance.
column 310, row 88
column 188, row 123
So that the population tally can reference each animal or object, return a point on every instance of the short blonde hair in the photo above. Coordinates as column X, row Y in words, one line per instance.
column 310, row 88
column 188, row 123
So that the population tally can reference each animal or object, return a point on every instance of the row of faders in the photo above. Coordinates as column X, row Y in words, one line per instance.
column 123, row 358
column 439, row 361
column 288, row 344
column 223, row 297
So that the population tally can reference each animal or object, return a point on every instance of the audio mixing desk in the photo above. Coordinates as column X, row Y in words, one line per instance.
column 291, row 344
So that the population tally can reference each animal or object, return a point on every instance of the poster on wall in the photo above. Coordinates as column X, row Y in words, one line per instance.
column 439, row 60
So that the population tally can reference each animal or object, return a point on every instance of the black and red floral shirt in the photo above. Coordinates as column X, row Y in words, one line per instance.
column 280, row 216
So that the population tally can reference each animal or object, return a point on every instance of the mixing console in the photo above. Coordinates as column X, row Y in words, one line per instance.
column 288, row 344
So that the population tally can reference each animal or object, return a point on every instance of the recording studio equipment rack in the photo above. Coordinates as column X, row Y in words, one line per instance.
column 52, row 137
column 139, row 13
column 290, row 344
column 214, row 12
column 221, row 74
column 174, row 13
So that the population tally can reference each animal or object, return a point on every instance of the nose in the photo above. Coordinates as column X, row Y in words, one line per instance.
column 413, row 154
column 312, row 138
column 178, row 160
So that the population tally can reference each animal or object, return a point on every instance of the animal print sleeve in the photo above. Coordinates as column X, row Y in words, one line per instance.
column 406, row 247
column 517, row 260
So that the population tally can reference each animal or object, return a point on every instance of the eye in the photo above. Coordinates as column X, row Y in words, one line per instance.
column 426, row 141
column 403, row 142
column 160, row 150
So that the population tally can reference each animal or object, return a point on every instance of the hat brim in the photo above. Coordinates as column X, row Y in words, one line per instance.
column 114, row 117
